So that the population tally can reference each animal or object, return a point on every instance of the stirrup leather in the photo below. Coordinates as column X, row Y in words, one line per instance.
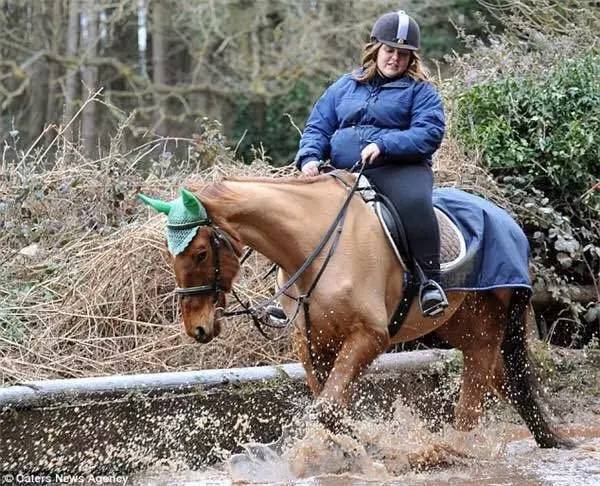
column 437, row 308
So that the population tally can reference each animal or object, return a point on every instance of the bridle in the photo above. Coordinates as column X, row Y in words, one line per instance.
column 217, row 237
column 220, row 237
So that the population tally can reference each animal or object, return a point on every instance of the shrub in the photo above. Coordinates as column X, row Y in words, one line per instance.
column 272, row 124
column 525, row 105
column 544, row 129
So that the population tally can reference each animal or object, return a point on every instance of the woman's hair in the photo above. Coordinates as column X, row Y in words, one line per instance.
column 415, row 68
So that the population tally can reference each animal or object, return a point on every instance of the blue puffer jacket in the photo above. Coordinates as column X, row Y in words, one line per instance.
column 404, row 117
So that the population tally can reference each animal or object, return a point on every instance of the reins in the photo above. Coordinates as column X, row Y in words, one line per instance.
column 302, row 301
column 335, row 230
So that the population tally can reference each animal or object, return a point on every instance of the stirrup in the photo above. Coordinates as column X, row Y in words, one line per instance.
column 437, row 308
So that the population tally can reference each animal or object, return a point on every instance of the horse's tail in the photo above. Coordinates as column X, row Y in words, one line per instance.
column 521, row 381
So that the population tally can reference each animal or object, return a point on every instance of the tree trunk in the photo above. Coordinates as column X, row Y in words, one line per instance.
column 159, row 62
column 72, row 83
column 38, row 103
column 38, row 78
column 142, row 36
column 52, row 111
column 90, row 77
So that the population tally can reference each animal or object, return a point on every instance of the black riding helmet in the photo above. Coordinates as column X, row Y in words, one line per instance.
column 396, row 29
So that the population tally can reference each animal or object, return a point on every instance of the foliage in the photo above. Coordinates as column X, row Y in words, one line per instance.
column 270, row 121
column 277, row 129
column 544, row 129
column 85, row 286
column 440, row 20
column 169, row 63
column 541, row 138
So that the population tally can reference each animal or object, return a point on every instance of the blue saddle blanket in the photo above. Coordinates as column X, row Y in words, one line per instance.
column 497, row 250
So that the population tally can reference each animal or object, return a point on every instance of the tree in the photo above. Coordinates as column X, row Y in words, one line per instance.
column 159, row 63
column 89, row 74
column 72, row 81
column 212, row 59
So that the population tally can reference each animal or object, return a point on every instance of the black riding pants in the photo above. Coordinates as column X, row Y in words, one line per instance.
column 409, row 187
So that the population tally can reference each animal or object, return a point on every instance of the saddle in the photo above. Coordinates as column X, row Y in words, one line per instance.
column 453, row 246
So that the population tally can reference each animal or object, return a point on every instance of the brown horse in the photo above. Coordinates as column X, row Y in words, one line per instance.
column 284, row 219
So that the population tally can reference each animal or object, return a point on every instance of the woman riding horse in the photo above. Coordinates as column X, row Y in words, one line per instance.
column 388, row 114
column 392, row 118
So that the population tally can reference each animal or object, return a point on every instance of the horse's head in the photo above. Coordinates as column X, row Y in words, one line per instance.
column 205, row 259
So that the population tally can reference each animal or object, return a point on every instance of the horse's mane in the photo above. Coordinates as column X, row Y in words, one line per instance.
column 211, row 193
column 294, row 180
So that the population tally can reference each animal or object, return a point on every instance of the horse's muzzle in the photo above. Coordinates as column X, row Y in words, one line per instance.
column 201, row 336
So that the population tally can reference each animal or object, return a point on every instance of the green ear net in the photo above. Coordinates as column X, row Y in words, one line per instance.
column 192, row 204
column 185, row 215
column 157, row 204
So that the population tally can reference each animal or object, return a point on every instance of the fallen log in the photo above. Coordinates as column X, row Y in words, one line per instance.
column 577, row 293
column 122, row 424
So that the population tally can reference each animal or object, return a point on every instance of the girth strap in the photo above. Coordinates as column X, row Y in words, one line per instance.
column 411, row 289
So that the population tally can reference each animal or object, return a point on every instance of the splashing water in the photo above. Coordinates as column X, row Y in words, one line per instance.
column 402, row 450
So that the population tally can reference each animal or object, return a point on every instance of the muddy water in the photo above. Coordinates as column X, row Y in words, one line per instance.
column 402, row 450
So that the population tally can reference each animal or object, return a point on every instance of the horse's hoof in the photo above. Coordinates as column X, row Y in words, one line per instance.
column 435, row 456
column 258, row 461
column 262, row 452
column 330, row 415
column 557, row 442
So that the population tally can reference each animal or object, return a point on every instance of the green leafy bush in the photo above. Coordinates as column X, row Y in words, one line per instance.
column 546, row 129
column 532, row 117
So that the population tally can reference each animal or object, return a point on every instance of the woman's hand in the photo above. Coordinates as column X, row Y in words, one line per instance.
column 370, row 153
column 311, row 168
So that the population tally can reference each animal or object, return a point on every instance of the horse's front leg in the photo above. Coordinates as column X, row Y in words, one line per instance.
column 316, row 366
column 358, row 350
column 302, row 351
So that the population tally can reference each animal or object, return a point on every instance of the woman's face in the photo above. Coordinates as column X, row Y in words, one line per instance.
column 392, row 62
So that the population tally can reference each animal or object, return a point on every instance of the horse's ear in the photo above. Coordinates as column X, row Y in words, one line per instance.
column 192, row 203
column 157, row 204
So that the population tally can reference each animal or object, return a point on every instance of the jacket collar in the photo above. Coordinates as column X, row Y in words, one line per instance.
column 402, row 82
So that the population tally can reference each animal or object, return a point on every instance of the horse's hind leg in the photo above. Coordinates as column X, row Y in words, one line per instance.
column 515, row 376
column 473, row 329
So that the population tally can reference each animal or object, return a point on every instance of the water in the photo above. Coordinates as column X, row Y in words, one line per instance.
column 403, row 451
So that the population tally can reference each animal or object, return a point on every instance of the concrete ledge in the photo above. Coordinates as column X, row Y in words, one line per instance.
column 36, row 393
column 126, row 423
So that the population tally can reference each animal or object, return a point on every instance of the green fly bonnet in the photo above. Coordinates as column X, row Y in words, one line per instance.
column 184, row 216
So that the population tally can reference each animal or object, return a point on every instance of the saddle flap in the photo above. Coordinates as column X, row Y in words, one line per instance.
column 453, row 246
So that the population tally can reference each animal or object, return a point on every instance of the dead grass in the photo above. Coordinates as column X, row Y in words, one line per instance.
column 85, row 288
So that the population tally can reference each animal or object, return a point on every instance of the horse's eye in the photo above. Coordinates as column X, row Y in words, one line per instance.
column 201, row 256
